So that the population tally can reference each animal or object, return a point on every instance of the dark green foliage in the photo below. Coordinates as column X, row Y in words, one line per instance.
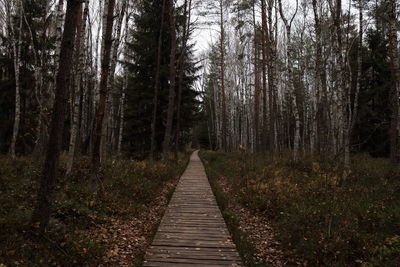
column 142, row 72
column 316, row 220
column 371, row 132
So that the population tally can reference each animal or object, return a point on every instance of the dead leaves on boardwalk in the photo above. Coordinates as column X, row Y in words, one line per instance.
column 127, row 239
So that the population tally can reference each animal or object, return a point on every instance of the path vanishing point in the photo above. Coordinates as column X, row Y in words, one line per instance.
column 192, row 231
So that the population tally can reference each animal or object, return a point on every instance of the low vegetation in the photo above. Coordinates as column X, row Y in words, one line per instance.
column 129, row 187
column 318, row 219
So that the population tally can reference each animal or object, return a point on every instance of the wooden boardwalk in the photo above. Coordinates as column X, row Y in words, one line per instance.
column 192, row 231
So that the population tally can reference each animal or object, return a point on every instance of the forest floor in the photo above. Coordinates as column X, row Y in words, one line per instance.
column 283, row 213
column 112, row 228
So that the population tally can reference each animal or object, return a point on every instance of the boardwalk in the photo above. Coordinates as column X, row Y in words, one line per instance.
column 192, row 232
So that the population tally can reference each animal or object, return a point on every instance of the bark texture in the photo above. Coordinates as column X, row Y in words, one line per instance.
column 42, row 211
column 105, row 69
column 172, row 76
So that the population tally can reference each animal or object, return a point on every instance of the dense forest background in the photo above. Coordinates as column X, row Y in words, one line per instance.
column 306, row 76
column 106, row 96
column 34, row 28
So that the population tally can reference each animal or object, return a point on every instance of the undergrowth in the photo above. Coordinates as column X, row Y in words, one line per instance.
column 245, row 248
column 317, row 218
column 128, row 187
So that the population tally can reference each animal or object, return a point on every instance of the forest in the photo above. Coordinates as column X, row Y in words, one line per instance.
column 293, row 104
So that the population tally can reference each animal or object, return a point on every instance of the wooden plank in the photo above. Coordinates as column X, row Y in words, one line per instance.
column 192, row 232
column 205, row 262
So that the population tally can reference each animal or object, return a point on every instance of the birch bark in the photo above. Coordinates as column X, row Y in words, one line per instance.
column 16, row 46
column 105, row 68
column 80, row 57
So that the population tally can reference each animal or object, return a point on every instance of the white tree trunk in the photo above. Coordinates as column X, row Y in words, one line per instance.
column 124, row 86
column 78, row 89
column 108, row 129
column 16, row 45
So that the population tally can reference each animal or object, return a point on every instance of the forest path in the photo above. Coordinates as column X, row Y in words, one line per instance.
column 192, row 231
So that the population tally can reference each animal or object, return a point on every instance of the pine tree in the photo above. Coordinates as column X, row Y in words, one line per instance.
column 142, row 78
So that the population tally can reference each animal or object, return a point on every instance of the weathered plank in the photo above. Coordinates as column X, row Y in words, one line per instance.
column 192, row 231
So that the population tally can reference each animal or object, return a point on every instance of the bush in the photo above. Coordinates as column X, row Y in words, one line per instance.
column 317, row 219
column 127, row 186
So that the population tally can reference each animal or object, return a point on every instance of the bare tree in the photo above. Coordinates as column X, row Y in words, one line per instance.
column 79, row 63
column 105, row 69
column 125, row 82
column 16, row 38
column 289, row 53
column 256, row 82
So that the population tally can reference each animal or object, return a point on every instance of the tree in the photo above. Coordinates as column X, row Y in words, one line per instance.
column 289, row 53
column 187, row 9
column 172, row 82
column 105, row 69
column 16, row 48
column 395, row 76
column 147, row 96
column 125, row 83
column 42, row 211
column 79, row 63
column 157, row 83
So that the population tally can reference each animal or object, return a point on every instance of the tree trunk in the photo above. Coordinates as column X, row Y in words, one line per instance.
column 107, row 140
column 79, row 62
column 395, row 73
column 16, row 46
column 59, row 24
column 124, row 86
column 265, row 46
column 181, row 63
column 172, row 76
column 289, row 55
column 320, row 88
column 271, row 80
column 222, row 66
column 256, row 84
column 42, row 211
column 105, row 68
column 157, row 85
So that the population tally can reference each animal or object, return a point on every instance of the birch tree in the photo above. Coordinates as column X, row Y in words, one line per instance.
column 16, row 38
column 79, row 63
column 105, row 68
column 125, row 83
column 289, row 53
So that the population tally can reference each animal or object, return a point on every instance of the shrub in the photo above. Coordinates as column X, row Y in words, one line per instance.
column 127, row 186
column 317, row 219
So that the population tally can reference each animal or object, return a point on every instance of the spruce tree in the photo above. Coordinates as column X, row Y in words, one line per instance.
column 142, row 72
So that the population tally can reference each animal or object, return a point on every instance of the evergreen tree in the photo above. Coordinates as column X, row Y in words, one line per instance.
column 142, row 73
column 372, row 129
